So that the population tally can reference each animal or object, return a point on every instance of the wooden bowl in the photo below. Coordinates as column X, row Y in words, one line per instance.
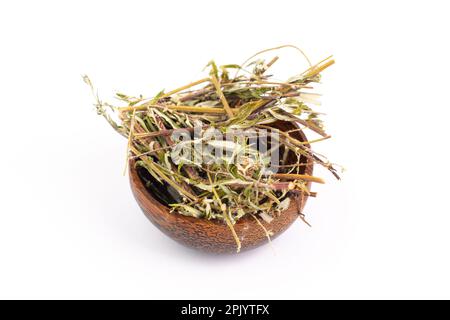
column 215, row 236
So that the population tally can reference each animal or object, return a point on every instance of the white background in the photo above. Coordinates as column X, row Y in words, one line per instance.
column 69, row 226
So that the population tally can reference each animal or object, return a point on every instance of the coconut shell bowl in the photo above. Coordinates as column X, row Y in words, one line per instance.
column 214, row 236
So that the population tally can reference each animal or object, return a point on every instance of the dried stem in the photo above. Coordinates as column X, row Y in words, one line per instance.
column 221, row 96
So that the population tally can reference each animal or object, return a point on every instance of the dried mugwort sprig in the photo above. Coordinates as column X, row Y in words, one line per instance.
column 219, row 187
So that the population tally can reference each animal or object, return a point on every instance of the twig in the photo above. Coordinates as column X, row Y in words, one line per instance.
column 201, row 109
column 221, row 96
column 293, row 176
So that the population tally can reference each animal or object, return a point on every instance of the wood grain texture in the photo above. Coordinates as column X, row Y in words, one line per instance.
column 215, row 236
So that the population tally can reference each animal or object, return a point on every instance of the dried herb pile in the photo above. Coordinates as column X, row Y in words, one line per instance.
column 234, row 96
